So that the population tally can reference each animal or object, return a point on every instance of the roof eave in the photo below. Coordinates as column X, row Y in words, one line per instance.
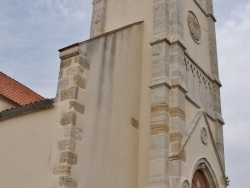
column 29, row 108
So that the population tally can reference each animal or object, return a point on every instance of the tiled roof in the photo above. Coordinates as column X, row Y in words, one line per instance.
column 17, row 92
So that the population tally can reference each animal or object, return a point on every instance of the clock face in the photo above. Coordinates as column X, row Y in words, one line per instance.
column 194, row 27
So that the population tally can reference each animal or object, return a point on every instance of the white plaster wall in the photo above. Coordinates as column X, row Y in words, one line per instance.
column 127, row 12
column 25, row 143
column 108, row 153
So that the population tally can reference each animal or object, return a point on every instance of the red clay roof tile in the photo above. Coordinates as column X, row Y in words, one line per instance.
column 17, row 92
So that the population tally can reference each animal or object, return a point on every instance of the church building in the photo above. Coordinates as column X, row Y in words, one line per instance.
column 137, row 105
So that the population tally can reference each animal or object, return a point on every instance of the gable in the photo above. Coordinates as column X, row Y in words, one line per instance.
column 199, row 144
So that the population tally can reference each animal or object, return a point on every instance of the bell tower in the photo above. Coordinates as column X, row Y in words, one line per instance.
column 152, row 65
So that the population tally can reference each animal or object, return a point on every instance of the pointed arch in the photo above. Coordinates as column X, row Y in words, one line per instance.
column 204, row 168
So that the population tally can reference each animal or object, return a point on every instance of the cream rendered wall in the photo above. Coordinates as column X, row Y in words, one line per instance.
column 120, row 13
column 26, row 148
column 6, row 104
column 108, row 154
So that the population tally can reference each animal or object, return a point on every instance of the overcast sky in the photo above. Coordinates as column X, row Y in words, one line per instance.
column 32, row 31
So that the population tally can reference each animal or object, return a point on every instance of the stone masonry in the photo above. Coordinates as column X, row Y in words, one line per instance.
column 160, row 83
column 173, row 81
column 98, row 17
column 72, row 81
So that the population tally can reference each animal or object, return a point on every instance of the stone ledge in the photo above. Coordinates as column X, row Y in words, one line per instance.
column 176, row 111
column 159, row 82
column 219, row 118
column 67, row 56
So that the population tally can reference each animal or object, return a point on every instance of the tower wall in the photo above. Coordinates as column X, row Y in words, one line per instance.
column 179, row 74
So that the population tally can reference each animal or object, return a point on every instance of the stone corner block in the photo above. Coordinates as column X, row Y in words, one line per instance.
column 68, row 157
column 67, row 145
column 62, row 170
column 134, row 123
column 79, row 81
column 69, row 118
column 65, row 63
column 67, row 182
column 71, row 93
column 84, row 63
column 73, row 132
column 77, row 106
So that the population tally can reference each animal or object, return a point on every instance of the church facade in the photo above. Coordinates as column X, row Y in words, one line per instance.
column 137, row 105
